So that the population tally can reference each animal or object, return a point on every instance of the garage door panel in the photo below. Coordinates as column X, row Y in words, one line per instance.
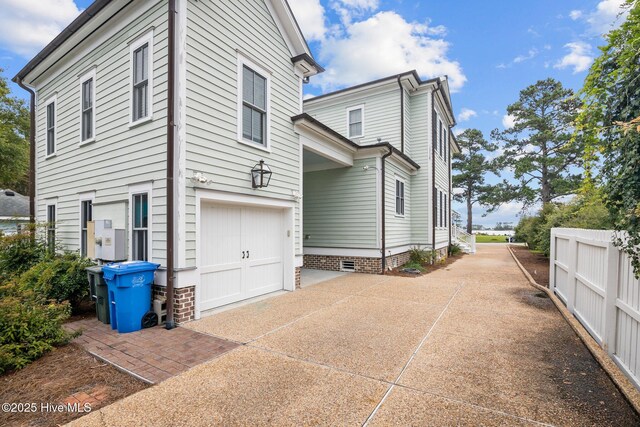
column 264, row 278
column 228, row 233
column 220, row 288
column 221, row 235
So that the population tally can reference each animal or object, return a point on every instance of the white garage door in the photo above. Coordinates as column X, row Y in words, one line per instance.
column 241, row 253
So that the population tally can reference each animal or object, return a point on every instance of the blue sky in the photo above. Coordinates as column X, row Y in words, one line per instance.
column 489, row 49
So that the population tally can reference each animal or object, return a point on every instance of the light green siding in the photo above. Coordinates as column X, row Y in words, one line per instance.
column 442, row 182
column 420, row 107
column 217, row 31
column 339, row 207
column 120, row 155
column 381, row 114
column 398, row 228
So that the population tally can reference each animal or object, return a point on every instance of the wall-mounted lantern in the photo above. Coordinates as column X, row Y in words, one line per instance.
column 260, row 175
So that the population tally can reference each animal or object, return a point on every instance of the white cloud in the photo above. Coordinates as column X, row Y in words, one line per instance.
column 532, row 53
column 26, row 26
column 382, row 45
column 310, row 17
column 609, row 14
column 575, row 14
column 459, row 131
column 466, row 114
column 508, row 121
column 579, row 58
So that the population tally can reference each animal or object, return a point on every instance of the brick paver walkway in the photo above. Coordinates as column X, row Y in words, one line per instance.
column 153, row 354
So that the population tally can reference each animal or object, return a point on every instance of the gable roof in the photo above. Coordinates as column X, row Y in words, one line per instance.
column 13, row 204
column 441, row 85
column 281, row 8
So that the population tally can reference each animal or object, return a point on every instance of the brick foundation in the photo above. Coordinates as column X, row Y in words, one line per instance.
column 184, row 302
column 398, row 260
column 362, row 264
column 298, row 277
column 332, row 263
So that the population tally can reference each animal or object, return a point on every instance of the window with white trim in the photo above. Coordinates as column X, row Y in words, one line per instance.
column 51, row 127
column 87, row 107
column 140, row 227
column 446, row 214
column 51, row 227
column 355, row 122
column 440, row 208
column 142, row 79
column 399, row 197
column 254, row 106
column 440, row 137
column 86, row 215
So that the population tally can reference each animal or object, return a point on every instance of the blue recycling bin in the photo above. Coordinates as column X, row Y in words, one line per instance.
column 129, row 285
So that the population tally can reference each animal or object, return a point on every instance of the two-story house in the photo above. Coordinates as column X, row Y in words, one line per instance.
column 180, row 123
column 383, row 205
column 155, row 115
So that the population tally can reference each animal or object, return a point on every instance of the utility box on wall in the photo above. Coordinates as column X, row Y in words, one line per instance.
column 110, row 243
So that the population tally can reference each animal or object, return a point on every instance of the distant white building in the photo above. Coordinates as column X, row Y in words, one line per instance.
column 14, row 211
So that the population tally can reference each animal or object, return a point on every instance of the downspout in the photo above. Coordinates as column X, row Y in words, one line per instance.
column 450, row 189
column 383, row 210
column 170, row 323
column 401, row 115
column 32, row 152
column 434, row 194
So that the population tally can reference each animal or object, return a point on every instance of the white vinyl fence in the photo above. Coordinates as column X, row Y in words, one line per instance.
column 596, row 282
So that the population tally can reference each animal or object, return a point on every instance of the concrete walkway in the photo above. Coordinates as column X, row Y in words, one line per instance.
column 472, row 344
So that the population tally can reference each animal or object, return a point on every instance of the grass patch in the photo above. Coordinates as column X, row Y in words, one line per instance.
column 483, row 238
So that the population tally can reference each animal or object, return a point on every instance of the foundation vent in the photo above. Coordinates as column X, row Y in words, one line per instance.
column 347, row 265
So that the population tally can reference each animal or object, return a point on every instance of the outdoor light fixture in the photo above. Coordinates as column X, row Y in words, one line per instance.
column 260, row 175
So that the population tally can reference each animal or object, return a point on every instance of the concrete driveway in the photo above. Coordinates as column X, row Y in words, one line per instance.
column 472, row 344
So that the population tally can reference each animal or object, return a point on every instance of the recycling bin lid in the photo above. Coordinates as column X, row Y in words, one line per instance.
column 127, row 267
column 94, row 269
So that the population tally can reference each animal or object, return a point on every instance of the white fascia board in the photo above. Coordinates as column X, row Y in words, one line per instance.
column 288, row 27
column 325, row 146
column 87, row 40
column 355, row 93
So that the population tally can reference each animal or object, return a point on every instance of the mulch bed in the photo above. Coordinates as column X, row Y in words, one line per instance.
column 65, row 375
column 536, row 264
column 428, row 268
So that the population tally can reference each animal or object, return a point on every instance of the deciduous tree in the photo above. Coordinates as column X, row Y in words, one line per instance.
column 610, row 122
column 14, row 147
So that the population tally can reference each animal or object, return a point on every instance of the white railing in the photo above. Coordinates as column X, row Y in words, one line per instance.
column 465, row 238
column 596, row 282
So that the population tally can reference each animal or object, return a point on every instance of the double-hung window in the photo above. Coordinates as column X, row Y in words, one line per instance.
column 142, row 79
column 440, row 137
column 440, row 208
column 399, row 197
column 87, row 107
column 86, row 215
column 254, row 106
column 355, row 122
column 51, row 127
column 140, row 229
column 51, row 227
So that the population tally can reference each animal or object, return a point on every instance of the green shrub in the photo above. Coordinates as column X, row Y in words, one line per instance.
column 415, row 265
column 18, row 253
column 454, row 249
column 62, row 278
column 29, row 326
column 582, row 212
column 421, row 256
